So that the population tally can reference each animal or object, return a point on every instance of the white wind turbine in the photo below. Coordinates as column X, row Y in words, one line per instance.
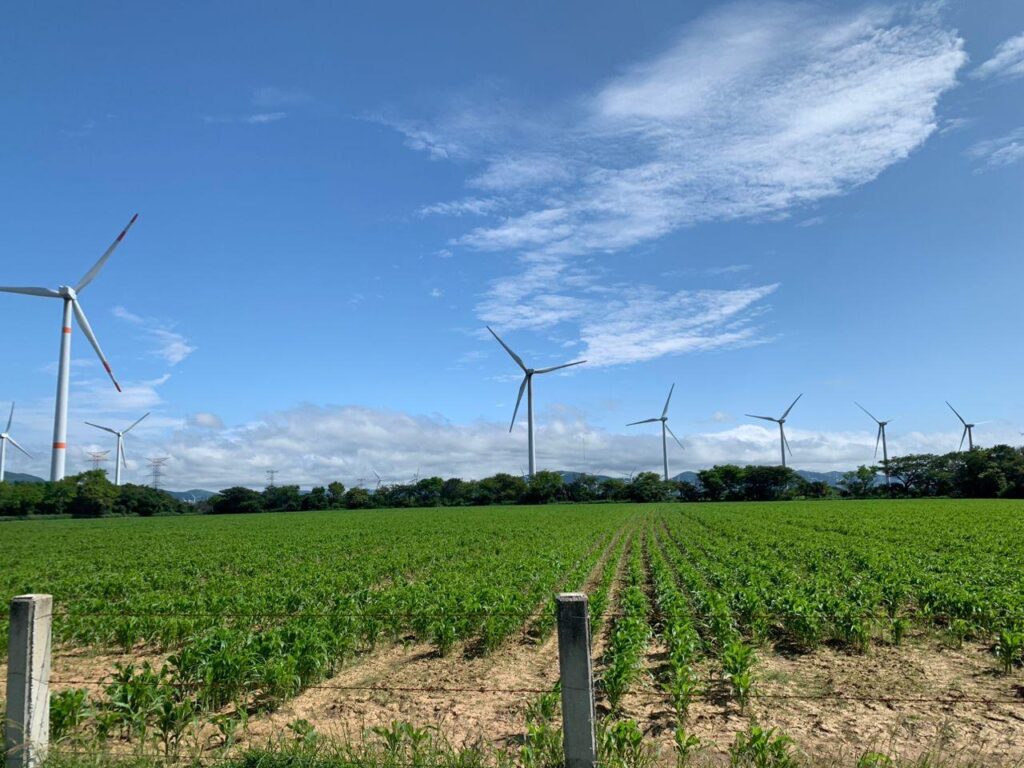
column 783, row 442
column 968, row 432
column 6, row 438
column 879, row 437
column 664, row 428
column 119, row 457
column 527, row 385
column 69, row 296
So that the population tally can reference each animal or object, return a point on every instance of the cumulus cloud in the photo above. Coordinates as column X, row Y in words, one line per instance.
column 1006, row 62
column 205, row 420
column 312, row 445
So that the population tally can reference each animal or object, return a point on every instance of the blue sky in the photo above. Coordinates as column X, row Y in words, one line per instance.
column 749, row 200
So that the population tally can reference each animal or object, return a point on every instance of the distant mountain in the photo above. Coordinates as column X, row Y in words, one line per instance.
column 198, row 494
column 21, row 477
column 832, row 478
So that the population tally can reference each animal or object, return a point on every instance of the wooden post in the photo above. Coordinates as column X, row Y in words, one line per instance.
column 27, row 730
column 577, row 678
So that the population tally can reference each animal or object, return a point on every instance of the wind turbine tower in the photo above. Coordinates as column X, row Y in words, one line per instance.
column 5, row 438
column 879, row 437
column 119, row 457
column 527, row 385
column 69, row 296
column 781, row 421
column 664, row 429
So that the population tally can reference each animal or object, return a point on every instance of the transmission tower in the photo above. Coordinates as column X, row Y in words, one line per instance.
column 156, row 468
column 271, row 474
column 97, row 458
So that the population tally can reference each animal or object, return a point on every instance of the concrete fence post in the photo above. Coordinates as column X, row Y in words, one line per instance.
column 27, row 730
column 577, row 676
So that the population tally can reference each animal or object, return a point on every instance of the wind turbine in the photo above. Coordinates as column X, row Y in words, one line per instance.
column 119, row 457
column 69, row 296
column 968, row 430
column 664, row 428
column 6, row 438
column 880, row 437
column 783, row 442
column 528, row 374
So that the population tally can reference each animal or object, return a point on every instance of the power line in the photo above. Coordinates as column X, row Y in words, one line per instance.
column 97, row 458
column 271, row 474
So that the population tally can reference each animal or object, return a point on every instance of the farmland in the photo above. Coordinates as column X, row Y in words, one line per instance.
column 801, row 615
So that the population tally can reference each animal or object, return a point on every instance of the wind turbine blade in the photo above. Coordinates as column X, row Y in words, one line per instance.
column 954, row 410
column 517, row 358
column 559, row 367
column 87, row 330
column 786, row 441
column 664, row 411
column 47, row 292
column 962, row 438
column 645, row 421
column 678, row 441
column 522, row 388
column 91, row 274
column 135, row 424
column 10, row 419
column 124, row 460
column 866, row 411
column 105, row 429
column 766, row 418
column 878, row 439
column 16, row 445
column 791, row 406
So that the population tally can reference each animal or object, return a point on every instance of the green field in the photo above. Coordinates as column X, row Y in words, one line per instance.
column 255, row 608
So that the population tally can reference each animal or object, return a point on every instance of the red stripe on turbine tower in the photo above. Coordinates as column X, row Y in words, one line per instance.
column 60, row 446
column 66, row 329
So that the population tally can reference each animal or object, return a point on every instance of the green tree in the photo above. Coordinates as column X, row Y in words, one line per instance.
column 544, row 487
column 770, row 483
column 237, row 500
column 282, row 498
column 357, row 498
column 336, row 495
column 94, row 494
column 860, row 482
column 648, row 486
column 316, row 498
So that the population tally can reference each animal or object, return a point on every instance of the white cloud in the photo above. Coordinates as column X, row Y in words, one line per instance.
column 205, row 420
column 648, row 323
column 314, row 445
column 754, row 110
column 1007, row 61
column 436, row 293
column 1001, row 151
column 169, row 345
column 471, row 206
column 264, row 117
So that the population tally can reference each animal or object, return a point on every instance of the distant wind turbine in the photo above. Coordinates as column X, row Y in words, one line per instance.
column 664, row 428
column 6, row 438
column 968, row 432
column 527, row 385
column 119, row 457
column 783, row 442
column 879, row 437
column 69, row 296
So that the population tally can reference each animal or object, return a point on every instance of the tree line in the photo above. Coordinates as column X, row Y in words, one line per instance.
column 996, row 472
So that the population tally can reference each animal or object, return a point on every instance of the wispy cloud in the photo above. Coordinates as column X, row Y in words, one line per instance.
column 1006, row 62
column 169, row 345
column 255, row 118
column 470, row 206
column 1001, row 151
column 755, row 111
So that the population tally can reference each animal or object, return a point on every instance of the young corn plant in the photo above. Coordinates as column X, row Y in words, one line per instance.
column 1009, row 649
column 737, row 668
column 762, row 748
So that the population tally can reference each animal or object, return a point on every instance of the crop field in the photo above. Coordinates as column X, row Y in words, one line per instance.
column 853, row 627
